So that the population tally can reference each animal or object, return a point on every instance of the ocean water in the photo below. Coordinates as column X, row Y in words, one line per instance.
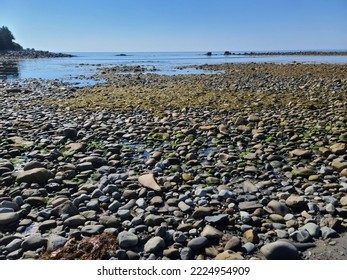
column 79, row 69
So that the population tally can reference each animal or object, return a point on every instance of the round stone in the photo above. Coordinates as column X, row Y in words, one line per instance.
column 127, row 239
column 280, row 250
column 198, row 243
column 154, row 244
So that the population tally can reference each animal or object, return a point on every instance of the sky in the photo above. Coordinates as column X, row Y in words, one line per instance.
column 176, row 25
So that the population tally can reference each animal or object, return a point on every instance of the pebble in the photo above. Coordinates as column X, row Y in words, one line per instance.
column 198, row 243
column 229, row 255
column 197, row 182
column 35, row 175
column 127, row 239
column 8, row 218
column 154, row 244
column 33, row 242
column 211, row 232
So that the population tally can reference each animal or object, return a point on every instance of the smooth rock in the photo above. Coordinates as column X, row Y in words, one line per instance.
column 198, row 243
column 295, row 201
column 36, row 175
column 277, row 207
column 280, row 250
column 229, row 255
column 127, row 239
column 90, row 230
column 55, row 242
column 338, row 148
column 154, row 244
column 149, row 182
column 302, row 236
column 75, row 221
column 211, row 232
column 154, row 220
column 33, row 242
column 312, row 228
column 8, row 218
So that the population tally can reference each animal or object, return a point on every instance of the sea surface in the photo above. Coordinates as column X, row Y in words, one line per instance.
column 79, row 69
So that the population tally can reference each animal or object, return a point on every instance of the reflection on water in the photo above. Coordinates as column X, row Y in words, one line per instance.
column 80, row 70
column 9, row 70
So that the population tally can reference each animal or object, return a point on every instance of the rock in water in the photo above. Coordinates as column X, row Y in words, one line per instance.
column 280, row 250
column 148, row 181
column 36, row 175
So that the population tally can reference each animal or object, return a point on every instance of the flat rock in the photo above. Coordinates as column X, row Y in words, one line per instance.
column 19, row 142
column 75, row 221
column 343, row 201
column 277, row 207
column 96, row 161
column 48, row 224
column 55, row 242
column 300, row 153
column 127, row 239
column 211, row 232
column 198, row 243
column 33, row 242
column 154, row 220
column 154, row 244
column 229, row 255
column 338, row 148
column 183, row 206
column 216, row 219
column 33, row 164
column 280, row 250
column 201, row 212
column 249, row 205
column 295, row 201
column 149, row 182
column 8, row 218
column 72, row 148
column 303, row 172
column 90, row 230
column 249, row 187
column 35, row 175
column 109, row 221
column 339, row 165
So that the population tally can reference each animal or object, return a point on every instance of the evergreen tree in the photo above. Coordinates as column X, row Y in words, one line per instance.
column 6, row 40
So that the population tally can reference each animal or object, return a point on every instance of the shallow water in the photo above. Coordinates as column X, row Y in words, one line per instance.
column 79, row 69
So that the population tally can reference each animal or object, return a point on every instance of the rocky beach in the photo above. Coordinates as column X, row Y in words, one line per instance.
column 248, row 163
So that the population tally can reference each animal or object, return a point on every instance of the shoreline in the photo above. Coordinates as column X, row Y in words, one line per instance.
column 298, row 53
column 176, row 167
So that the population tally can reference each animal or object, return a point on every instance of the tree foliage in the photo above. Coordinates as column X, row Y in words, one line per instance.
column 6, row 40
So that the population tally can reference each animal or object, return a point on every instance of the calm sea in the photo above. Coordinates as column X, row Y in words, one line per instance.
column 78, row 69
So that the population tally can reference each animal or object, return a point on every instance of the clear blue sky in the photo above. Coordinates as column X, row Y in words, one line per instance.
column 176, row 25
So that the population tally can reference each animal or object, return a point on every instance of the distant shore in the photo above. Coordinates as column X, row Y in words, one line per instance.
column 320, row 53
column 30, row 54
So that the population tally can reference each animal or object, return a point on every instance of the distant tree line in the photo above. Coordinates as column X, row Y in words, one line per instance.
column 6, row 40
